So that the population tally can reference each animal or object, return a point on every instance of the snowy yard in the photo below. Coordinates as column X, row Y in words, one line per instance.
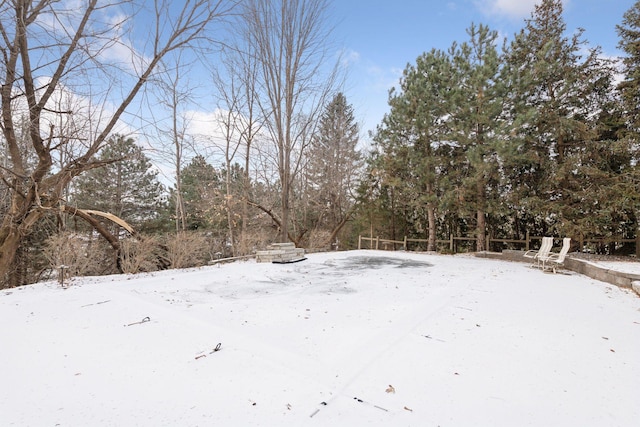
column 341, row 339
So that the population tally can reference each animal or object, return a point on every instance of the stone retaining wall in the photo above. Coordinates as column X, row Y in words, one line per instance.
column 618, row 278
column 280, row 252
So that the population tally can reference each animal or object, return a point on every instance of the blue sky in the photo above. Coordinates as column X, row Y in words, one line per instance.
column 380, row 37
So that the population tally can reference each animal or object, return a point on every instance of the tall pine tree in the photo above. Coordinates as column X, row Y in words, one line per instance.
column 629, row 33
column 475, row 122
column 201, row 195
column 555, row 84
column 126, row 185
column 629, row 88
column 410, row 139
column 333, row 167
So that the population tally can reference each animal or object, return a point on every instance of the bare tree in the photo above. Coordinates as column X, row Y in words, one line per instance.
column 230, row 124
column 333, row 169
column 50, row 46
column 252, row 119
column 171, row 132
column 240, row 122
column 290, row 40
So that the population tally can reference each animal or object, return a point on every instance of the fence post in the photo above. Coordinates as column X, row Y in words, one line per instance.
column 359, row 241
column 526, row 246
column 405, row 243
column 377, row 242
column 451, row 242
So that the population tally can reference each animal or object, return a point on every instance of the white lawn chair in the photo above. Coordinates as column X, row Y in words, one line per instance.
column 554, row 260
column 543, row 252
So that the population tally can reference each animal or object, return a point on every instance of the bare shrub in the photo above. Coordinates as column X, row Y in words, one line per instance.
column 76, row 255
column 319, row 240
column 254, row 239
column 187, row 249
column 140, row 254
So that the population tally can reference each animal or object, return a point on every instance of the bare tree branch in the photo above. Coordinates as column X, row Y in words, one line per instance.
column 47, row 50
column 290, row 41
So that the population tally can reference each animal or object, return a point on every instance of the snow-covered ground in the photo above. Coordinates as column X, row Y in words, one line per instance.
column 632, row 267
column 341, row 339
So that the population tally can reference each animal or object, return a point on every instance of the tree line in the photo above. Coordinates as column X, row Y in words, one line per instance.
column 538, row 135
column 487, row 138
column 82, row 91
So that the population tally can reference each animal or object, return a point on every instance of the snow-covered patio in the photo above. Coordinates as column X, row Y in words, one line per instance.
column 342, row 339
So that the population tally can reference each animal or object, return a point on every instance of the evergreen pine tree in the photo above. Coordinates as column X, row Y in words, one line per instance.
column 554, row 87
column 126, row 185
column 333, row 166
column 475, row 123
column 629, row 33
column 203, row 203
column 608, row 196
column 629, row 88
column 410, row 139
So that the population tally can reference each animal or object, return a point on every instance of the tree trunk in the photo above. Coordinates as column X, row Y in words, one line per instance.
column 245, row 204
column 343, row 221
column 228, row 206
column 393, row 214
column 481, row 240
column 284, row 199
column 284, row 221
column 8, row 250
column 431, row 238
column 15, row 227
column 431, row 217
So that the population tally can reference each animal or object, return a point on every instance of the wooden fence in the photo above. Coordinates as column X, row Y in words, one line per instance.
column 453, row 243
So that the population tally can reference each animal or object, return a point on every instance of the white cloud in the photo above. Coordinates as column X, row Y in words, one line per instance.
column 348, row 57
column 509, row 8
